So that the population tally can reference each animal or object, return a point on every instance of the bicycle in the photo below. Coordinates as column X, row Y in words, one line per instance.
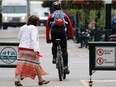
column 60, row 62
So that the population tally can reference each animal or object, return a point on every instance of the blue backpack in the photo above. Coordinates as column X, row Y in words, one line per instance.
column 58, row 18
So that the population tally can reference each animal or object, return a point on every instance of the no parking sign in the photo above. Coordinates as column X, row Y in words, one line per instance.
column 105, row 56
column 102, row 56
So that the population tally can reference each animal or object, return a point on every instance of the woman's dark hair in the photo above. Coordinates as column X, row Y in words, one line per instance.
column 33, row 20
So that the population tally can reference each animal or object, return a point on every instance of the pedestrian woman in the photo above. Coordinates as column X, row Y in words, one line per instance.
column 28, row 64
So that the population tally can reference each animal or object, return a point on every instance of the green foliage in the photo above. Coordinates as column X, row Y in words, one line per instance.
column 86, row 4
column 48, row 4
column 114, row 4
column 0, row 2
column 90, row 14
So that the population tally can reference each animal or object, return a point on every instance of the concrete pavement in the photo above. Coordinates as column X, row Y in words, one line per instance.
column 78, row 65
column 73, row 79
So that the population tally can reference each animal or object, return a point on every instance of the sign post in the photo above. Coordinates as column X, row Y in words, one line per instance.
column 102, row 56
column 108, row 19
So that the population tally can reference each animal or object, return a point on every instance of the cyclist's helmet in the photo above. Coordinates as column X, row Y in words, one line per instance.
column 56, row 5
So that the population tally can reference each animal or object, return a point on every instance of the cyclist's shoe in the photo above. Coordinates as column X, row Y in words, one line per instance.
column 67, row 70
column 54, row 61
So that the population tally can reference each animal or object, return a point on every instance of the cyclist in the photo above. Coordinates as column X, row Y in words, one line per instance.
column 59, row 32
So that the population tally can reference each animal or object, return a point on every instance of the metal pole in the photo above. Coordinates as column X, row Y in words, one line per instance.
column 28, row 7
column 108, row 21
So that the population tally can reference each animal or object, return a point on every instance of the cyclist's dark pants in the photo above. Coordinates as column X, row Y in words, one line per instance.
column 63, row 45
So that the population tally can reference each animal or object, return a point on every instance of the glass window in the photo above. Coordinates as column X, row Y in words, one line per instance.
column 14, row 9
column 8, row 9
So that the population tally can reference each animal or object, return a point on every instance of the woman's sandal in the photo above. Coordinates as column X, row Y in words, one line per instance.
column 43, row 82
column 21, row 77
column 17, row 83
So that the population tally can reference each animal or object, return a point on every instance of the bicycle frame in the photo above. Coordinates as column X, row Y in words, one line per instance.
column 59, row 61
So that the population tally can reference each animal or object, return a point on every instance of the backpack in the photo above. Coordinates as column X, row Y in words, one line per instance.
column 58, row 18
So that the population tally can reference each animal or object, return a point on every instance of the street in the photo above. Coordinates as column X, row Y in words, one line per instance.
column 78, row 65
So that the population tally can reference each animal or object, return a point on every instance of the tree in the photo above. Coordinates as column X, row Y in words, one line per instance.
column 114, row 4
column 48, row 4
column 83, row 4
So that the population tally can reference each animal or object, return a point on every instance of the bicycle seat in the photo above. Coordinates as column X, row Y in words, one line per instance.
column 58, row 40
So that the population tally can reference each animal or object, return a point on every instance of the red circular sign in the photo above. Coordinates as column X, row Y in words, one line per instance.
column 100, row 52
column 100, row 61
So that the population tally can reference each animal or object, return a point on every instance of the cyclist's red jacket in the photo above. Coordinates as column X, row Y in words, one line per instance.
column 70, row 28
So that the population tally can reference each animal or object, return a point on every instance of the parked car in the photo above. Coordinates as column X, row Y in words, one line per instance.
column 14, row 13
column 37, row 9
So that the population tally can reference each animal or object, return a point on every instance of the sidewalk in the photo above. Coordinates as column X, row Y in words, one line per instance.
column 78, row 65
column 77, row 57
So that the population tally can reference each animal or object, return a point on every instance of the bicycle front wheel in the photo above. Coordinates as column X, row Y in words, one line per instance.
column 64, row 75
column 60, row 70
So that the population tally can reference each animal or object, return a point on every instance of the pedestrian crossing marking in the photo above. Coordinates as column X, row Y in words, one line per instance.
column 84, row 83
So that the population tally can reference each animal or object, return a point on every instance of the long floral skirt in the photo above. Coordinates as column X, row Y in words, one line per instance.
column 27, row 63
